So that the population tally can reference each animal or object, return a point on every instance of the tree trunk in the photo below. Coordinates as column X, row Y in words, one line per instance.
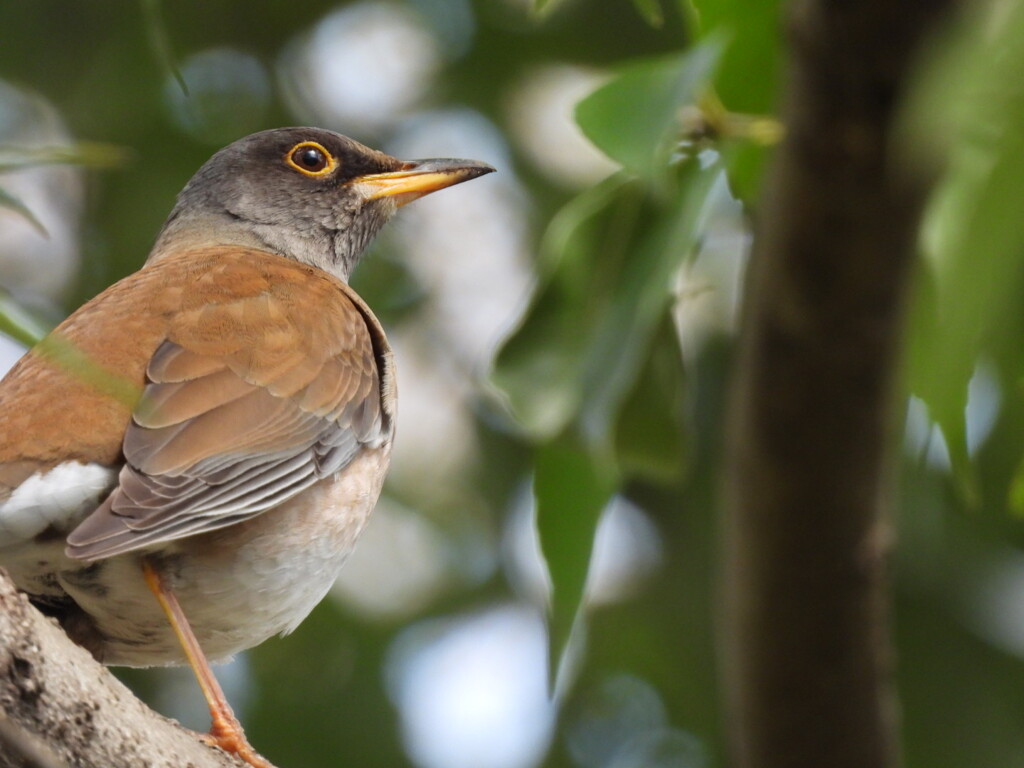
column 807, row 663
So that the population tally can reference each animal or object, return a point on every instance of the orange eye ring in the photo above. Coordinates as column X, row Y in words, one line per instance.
column 311, row 159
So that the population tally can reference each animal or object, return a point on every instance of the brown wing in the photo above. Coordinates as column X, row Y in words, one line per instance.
column 249, row 401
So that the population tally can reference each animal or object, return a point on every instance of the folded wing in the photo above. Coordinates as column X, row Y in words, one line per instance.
column 247, row 404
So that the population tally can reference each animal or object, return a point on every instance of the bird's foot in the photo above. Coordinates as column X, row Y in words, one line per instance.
column 230, row 737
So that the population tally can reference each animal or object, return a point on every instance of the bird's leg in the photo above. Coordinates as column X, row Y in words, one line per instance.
column 225, row 732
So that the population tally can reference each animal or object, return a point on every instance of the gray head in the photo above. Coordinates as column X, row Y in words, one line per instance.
column 305, row 193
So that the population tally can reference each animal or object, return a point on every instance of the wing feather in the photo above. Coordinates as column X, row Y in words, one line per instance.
column 241, row 411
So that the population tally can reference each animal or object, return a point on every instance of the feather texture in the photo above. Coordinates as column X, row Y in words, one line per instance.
column 255, row 377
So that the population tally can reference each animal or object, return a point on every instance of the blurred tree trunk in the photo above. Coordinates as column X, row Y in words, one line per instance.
column 59, row 707
column 808, row 660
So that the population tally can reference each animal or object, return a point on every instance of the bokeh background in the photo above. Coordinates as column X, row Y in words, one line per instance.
column 564, row 330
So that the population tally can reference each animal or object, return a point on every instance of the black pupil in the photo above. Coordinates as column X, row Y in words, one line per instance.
column 311, row 158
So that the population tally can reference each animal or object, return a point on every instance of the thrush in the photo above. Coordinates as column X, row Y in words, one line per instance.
column 186, row 460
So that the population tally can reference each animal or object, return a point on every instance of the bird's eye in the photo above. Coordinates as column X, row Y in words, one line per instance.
column 311, row 159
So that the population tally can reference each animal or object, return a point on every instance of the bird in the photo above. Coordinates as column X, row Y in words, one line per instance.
column 188, row 458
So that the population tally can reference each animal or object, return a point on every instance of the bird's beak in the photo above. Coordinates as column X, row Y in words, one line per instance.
column 420, row 177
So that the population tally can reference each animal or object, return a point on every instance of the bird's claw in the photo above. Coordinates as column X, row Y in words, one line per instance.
column 232, row 740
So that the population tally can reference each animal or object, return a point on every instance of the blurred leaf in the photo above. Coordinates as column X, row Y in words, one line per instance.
column 64, row 354
column 651, row 11
column 86, row 153
column 538, row 367
column 642, row 293
column 585, row 346
column 973, row 234
column 745, row 158
column 16, row 158
column 649, row 439
column 746, row 79
column 19, row 324
column 942, row 390
column 635, row 118
column 160, row 42
column 11, row 203
column 1017, row 491
column 609, row 255
column 543, row 7
column 571, row 487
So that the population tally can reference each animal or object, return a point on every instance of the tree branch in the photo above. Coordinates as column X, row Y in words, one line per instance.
column 808, row 661
column 54, row 692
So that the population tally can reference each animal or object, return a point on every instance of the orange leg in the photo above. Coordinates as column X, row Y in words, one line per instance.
column 226, row 732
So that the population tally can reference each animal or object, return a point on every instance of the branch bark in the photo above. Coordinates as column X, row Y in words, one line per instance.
column 807, row 658
column 54, row 692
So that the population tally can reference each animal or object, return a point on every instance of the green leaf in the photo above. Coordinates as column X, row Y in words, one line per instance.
column 538, row 367
column 19, row 324
column 160, row 42
column 542, row 8
column 635, row 120
column 89, row 154
column 585, row 349
column 745, row 161
column 940, row 382
column 650, row 441
column 609, row 258
column 17, row 158
column 641, row 296
column 974, row 239
column 746, row 79
column 11, row 203
column 571, row 487
column 23, row 327
column 651, row 11
column 64, row 354
column 1016, row 495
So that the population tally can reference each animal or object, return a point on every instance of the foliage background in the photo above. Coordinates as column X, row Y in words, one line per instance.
column 620, row 275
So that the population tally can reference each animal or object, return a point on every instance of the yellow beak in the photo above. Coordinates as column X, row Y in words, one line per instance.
column 420, row 177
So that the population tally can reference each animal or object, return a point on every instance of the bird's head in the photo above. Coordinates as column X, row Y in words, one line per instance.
column 305, row 193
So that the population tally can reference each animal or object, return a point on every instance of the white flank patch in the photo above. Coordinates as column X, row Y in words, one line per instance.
column 60, row 497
